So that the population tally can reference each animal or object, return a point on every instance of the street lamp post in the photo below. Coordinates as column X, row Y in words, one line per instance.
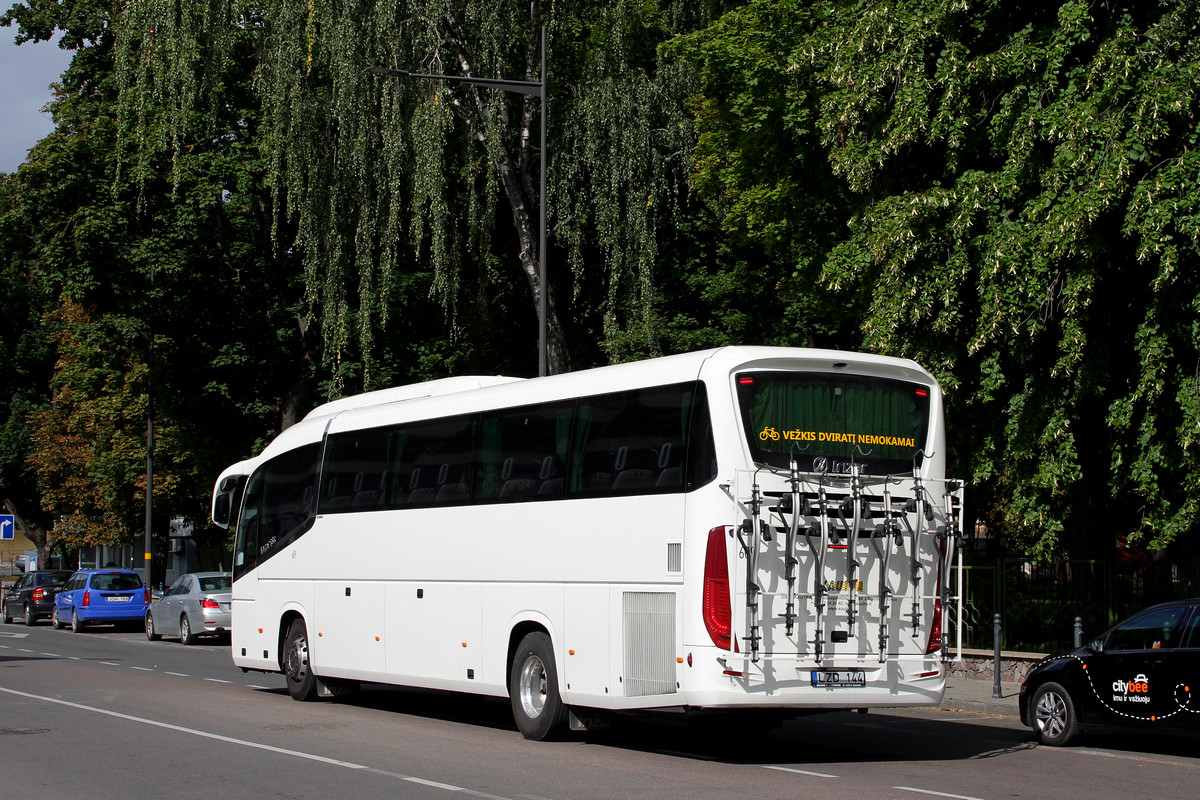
column 536, row 89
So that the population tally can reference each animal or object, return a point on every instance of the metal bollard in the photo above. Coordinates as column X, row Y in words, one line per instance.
column 1078, row 632
column 996, row 663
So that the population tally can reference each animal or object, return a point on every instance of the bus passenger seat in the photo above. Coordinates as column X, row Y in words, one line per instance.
column 550, row 474
column 634, row 469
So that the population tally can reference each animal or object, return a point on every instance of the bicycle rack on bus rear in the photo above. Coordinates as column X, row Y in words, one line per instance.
column 826, row 509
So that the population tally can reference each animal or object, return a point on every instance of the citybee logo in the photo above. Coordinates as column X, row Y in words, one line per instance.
column 1134, row 691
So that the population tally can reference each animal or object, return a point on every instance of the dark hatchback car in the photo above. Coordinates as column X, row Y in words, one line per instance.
column 32, row 597
column 1143, row 674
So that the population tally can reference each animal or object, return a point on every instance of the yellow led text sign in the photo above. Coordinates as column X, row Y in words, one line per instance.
column 770, row 434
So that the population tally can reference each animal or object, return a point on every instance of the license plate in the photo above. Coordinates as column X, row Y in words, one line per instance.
column 124, row 599
column 838, row 677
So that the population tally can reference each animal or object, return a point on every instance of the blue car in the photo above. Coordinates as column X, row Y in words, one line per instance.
column 100, row 596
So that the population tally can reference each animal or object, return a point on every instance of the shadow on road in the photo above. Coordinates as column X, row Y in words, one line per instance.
column 825, row 738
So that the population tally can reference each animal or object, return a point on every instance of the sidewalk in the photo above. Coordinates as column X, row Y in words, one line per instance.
column 965, row 694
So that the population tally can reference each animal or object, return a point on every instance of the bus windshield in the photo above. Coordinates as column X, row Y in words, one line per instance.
column 829, row 421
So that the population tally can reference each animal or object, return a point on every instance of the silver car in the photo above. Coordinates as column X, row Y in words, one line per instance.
column 196, row 605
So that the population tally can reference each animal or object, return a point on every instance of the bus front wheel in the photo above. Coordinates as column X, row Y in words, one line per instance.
column 297, row 666
column 537, row 707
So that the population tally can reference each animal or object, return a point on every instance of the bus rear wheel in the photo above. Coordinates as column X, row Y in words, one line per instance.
column 533, row 690
column 297, row 666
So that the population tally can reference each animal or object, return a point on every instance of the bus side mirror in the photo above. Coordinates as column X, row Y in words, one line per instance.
column 220, row 513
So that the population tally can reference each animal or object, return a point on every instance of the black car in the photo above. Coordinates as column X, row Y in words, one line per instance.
column 32, row 597
column 1142, row 674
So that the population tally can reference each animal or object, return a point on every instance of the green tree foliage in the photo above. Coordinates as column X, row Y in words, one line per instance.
column 1013, row 193
column 384, row 179
column 112, row 262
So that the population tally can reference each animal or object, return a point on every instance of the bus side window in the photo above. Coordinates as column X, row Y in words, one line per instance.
column 702, row 451
column 632, row 442
column 521, row 452
column 438, row 460
column 355, row 473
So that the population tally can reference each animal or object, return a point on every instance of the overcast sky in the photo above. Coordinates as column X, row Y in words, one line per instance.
column 26, row 73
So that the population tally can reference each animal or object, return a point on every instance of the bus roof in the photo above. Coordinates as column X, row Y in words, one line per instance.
column 458, row 394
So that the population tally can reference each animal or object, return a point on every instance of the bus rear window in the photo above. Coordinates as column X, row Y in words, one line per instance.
column 829, row 421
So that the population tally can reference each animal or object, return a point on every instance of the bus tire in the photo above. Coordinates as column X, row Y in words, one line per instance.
column 297, row 663
column 1052, row 713
column 537, row 707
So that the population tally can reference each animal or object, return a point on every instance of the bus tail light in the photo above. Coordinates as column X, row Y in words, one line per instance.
column 935, row 628
column 87, row 599
column 716, row 606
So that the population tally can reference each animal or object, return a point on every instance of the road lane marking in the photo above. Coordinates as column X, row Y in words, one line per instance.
column 335, row 762
column 143, row 669
column 935, row 794
column 801, row 771
column 179, row 674
column 217, row 680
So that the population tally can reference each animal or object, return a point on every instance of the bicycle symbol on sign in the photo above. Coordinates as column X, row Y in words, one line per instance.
column 769, row 433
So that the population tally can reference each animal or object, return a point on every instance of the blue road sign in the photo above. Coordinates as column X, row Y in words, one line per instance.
column 8, row 526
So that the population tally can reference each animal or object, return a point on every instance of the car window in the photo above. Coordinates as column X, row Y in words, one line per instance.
column 116, row 582
column 21, row 584
column 1191, row 634
column 1150, row 631
column 216, row 583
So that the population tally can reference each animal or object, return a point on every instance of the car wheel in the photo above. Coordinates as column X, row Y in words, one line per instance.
column 54, row 620
column 6, row 615
column 537, row 707
column 30, row 615
column 297, row 664
column 1054, row 719
column 185, row 631
column 76, row 622
column 150, row 633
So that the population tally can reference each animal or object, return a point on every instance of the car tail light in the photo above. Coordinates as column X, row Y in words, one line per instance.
column 39, row 594
column 716, row 606
column 146, row 595
column 87, row 598
column 207, row 603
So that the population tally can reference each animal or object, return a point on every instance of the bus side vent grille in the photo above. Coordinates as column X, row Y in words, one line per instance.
column 674, row 557
column 649, row 622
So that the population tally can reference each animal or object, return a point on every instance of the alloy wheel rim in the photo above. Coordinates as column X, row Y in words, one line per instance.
column 1051, row 714
column 533, row 687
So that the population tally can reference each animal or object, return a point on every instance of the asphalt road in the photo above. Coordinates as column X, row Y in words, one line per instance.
column 107, row 714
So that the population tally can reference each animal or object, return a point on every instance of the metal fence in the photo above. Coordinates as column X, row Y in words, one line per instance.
column 1038, row 604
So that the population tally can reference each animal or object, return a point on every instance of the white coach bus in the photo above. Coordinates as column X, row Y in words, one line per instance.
column 746, row 528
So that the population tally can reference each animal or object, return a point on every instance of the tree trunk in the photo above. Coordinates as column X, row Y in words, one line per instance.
column 518, row 164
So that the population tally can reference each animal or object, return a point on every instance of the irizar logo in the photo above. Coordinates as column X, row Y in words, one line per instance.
column 1134, row 691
